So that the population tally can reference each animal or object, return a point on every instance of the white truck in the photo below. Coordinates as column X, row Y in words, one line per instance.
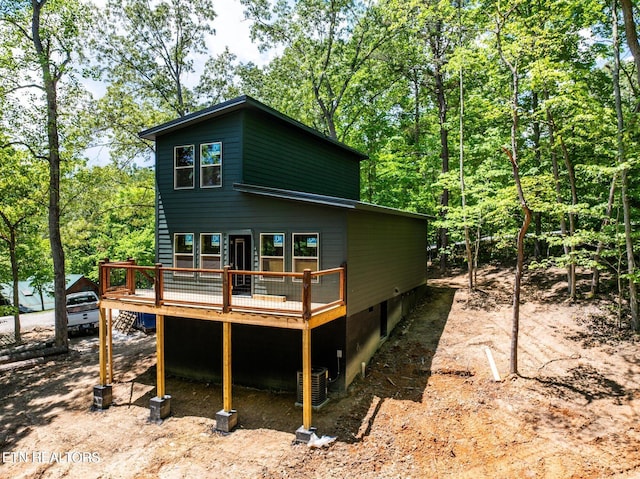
column 82, row 312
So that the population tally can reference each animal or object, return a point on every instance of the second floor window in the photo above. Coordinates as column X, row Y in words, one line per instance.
column 210, row 165
column 184, row 164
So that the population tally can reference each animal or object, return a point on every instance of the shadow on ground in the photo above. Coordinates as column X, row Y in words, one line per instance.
column 399, row 370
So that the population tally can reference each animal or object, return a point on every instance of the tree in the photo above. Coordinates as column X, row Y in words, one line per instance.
column 630, row 28
column 621, row 155
column 47, row 35
column 328, row 47
column 21, row 198
column 145, row 51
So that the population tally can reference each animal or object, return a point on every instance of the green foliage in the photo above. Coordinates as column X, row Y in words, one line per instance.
column 111, row 216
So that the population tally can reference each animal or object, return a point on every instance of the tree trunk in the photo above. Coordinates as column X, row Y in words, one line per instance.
column 595, row 277
column 15, row 277
column 556, row 177
column 537, row 216
column 467, row 238
column 515, row 327
column 632, row 34
column 572, row 218
column 626, row 208
column 444, row 156
column 53, row 137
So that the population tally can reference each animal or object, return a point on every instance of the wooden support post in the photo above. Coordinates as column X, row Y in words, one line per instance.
column 102, row 278
column 131, row 276
column 160, row 355
column 306, row 294
column 306, row 378
column 102, row 348
column 110, row 345
column 226, row 367
column 226, row 289
column 159, row 284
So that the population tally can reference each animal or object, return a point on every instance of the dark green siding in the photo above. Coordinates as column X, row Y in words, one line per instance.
column 280, row 156
column 387, row 257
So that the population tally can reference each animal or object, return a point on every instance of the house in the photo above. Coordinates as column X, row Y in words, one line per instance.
column 243, row 186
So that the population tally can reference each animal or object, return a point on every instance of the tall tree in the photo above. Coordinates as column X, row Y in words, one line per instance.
column 22, row 195
column 631, row 29
column 329, row 47
column 46, row 34
column 624, row 169
column 146, row 52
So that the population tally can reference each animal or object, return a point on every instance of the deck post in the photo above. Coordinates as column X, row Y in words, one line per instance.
column 161, row 404
column 304, row 432
column 306, row 294
column 159, row 284
column 110, row 345
column 131, row 276
column 226, row 289
column 102, row 394
column 227, row 418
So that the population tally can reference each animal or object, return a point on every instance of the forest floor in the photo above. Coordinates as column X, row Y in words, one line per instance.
column 428, row 406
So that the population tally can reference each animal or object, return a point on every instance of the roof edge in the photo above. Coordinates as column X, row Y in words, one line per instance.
column 243, row 101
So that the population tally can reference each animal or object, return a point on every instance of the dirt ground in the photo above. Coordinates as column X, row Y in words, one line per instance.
column 428, row 406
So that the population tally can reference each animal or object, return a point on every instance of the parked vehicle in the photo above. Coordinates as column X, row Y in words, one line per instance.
column 82, row 312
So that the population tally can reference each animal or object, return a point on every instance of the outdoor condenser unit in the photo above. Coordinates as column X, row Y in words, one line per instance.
column 319, row 382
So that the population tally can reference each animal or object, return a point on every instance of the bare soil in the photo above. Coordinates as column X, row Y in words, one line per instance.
column 428, row 406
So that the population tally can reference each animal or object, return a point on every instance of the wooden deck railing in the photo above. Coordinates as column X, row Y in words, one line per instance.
column 306, row 293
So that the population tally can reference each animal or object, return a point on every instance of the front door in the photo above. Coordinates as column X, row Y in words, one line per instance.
column 240, row 259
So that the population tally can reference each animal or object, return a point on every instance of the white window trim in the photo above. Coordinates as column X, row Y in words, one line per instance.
column 283, row 257
column 210, row 166
column 176, row 168
column 208, row 255
column 294, row 257
column 193, row 254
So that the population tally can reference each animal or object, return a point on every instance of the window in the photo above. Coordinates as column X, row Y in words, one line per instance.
column 183, row 252
column 183, row 161
column 210, row 258
column 305, row 252
column 210, row 165
column 272, row 254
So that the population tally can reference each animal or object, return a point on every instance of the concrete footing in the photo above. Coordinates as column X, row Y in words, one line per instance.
column 303, row 435
column 226, row 420
column 159, row 408
column 102, row 396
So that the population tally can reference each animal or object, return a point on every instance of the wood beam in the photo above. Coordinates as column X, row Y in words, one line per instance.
column 235, row 317
column 306, row 379
column 110, row 344
column 160, row 356
column 102, row 327
column 226, row 367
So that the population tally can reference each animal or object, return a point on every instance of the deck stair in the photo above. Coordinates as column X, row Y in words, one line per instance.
column 124, row 321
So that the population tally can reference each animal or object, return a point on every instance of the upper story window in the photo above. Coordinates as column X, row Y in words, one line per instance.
column 272, row 254
column 184, row 165
column 305, row 252
column 210, row 256
column 210, row 165
column 183, row 252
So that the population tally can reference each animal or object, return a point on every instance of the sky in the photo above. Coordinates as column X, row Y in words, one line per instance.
column 232, row 30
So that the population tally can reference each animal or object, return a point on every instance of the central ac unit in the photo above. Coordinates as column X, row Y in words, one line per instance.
column 319, row 383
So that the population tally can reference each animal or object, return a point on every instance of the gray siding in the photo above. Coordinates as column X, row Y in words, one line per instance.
column 280, row 156
column 387, row 257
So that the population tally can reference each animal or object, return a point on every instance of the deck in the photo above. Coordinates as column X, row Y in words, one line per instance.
column 282, row 300
column 286, row 300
